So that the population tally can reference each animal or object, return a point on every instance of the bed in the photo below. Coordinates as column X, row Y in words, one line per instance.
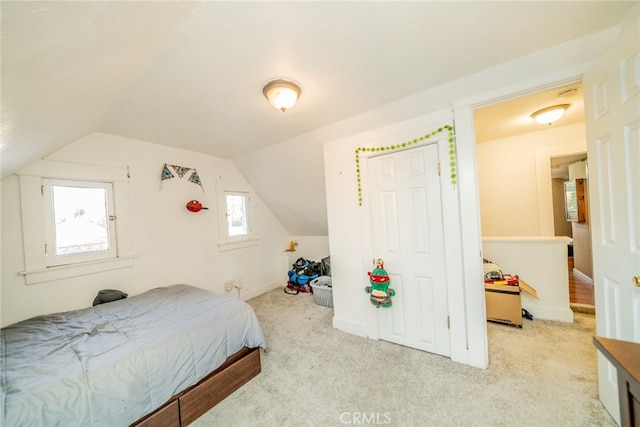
column 163, row 357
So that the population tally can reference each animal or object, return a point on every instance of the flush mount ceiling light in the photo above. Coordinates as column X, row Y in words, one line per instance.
column 548, row 115
column 282, row 94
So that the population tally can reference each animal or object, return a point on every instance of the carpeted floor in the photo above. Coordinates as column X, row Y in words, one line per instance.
column 313, row 375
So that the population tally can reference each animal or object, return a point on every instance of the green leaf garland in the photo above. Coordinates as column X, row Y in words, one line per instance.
column 399, row 146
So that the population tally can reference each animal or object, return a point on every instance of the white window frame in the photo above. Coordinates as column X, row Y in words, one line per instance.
column 247, row 220
column 32, row 180
column 53, row 259
column 225, row 241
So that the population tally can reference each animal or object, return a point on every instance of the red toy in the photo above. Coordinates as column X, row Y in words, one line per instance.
column 195, row 206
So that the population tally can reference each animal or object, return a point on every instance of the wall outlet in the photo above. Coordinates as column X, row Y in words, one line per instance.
column 229, row 285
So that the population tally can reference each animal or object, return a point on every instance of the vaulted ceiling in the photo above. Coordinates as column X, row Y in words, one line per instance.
column 190, row 74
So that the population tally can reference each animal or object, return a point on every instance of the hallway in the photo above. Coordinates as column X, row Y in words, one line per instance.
column 580, row 291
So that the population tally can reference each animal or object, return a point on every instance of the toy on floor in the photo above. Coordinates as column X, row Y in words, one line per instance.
column 380, row 291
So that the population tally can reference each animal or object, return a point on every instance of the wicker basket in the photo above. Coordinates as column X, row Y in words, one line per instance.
column 322, row 291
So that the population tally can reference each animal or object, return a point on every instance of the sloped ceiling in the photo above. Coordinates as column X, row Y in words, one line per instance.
column 190, row 74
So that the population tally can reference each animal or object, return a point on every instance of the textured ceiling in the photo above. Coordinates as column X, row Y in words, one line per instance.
column 190, row 74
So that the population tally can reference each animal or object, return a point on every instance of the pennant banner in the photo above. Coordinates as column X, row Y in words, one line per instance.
column 166, row 173
column 195, row 178
column 181, row 171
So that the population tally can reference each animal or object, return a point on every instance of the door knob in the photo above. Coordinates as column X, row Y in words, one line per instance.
column 636, row 281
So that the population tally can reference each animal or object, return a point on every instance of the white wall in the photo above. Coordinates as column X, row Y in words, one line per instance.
column 313, row 248
column 541, row 262
column 581, row 231
column 509, row 182
column 347, row 233
column 172, row 244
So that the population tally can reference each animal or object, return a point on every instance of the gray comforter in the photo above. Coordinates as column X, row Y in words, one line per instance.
column 113, row 363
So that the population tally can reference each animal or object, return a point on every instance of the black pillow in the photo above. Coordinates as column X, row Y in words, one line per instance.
column 108, row 295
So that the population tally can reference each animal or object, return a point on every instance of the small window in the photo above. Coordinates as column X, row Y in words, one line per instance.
column 235, row 215
column 80, row 221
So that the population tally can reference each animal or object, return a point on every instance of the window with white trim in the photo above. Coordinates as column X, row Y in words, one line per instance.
column 75, row 220
column 79, row 221
column 235, row 215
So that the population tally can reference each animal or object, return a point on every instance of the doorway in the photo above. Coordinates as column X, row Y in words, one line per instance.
column 579, row 258
column 523, row 165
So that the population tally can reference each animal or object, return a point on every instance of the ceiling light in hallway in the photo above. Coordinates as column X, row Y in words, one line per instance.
column 549, row 115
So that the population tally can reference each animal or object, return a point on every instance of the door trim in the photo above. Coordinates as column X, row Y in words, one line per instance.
column 470, row 238
column 450, row 216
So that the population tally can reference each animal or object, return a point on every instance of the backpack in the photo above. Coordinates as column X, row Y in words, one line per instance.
column 301, row 274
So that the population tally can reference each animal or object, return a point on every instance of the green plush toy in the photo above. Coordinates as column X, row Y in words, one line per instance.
column 380, row 291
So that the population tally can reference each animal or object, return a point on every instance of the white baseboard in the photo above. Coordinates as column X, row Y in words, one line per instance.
column 247, row 294
column 583, row 276
column 350, row 327
column 549, row 313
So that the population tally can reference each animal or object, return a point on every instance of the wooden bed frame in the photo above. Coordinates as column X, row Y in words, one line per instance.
column 188, row 405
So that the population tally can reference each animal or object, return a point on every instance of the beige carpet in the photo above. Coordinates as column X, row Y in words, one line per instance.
column 313, row 375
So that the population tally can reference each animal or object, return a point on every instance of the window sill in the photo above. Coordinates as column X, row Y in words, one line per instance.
column 49, row 274
column 238, row 244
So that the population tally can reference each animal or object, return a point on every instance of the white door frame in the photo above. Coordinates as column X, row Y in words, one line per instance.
column 366, row 222
column 410, row 318
column 471, row 243
column 465, row 296
column 464, row 117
